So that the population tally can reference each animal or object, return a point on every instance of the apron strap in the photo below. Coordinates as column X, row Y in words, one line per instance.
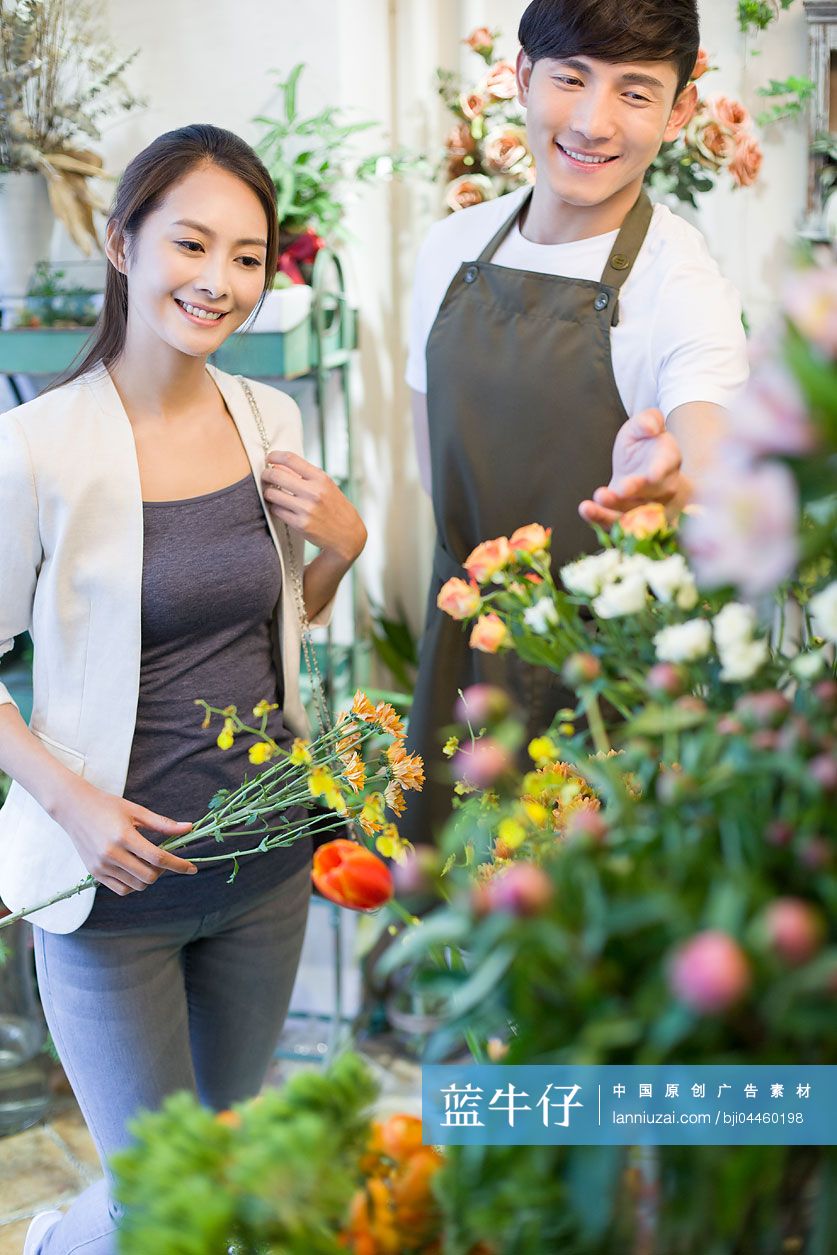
column 497, row 239
column 624, row 253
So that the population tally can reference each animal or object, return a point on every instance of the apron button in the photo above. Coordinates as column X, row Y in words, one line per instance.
column 601, row 301
column 470, row 274
column 619, row 261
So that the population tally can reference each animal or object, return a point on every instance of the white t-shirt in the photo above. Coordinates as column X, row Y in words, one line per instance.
column 679, row 336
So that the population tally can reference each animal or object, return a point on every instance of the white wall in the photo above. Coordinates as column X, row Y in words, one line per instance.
column 212, row 61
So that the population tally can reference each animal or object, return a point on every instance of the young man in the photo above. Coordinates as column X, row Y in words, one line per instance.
column 569, row 343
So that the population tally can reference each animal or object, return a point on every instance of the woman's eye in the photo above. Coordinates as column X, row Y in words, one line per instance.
column 250, row 262
column 191, row 246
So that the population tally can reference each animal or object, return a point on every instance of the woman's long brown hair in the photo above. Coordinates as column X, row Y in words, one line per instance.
column 145, row 182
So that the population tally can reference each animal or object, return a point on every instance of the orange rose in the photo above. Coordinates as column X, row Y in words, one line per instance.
column 506, row 149
column 701, row 65
column 489, row 634
column 531, row 539
column 487, row 559
column 472, row 104
column 467, row 190
column 481, row 39
column 501, row 81
column 729, row 113
column 352, row 876
column 746, row 161
column 644, row 521
column 459, row 141
column 458, row 599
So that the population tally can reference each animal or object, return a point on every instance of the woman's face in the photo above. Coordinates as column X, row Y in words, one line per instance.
column 197, row 265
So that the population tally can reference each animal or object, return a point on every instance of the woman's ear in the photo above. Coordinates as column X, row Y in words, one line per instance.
column 524, row 73
column 681, row 115
column 115, row 248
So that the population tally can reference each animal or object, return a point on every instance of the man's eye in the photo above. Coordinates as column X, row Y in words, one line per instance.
column 570, row 82
column 641, row 99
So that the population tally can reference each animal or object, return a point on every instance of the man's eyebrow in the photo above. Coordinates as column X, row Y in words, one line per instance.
column 199, row 226
column 630, row 76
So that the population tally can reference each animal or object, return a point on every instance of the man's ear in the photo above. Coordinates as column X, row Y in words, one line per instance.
column 524, row 73
column 682, row 113
column 115, row 248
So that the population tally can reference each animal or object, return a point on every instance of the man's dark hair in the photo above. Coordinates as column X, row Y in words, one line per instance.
column 614, row 30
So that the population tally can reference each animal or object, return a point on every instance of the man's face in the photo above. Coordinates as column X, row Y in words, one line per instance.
column 595, row 127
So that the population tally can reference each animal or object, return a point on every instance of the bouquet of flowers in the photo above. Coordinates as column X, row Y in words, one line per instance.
column 355, row 772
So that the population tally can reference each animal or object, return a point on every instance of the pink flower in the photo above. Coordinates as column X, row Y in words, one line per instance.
column 472, row 104
column 481, row 763
column 745, row 162
column 489, row 634
column 467, row 190
column 728, row 113
column 521, row 889
column 771, row 415
column 481, row 39
column 712, row 142
column 644, row 521
column 506, row 149
column 458, row 599
column 501, row 81
column 744, row 531
column 480, row 703
column 793, row 929
column 811, row 305
column 701, row 65
column 709, row 973
column 487, row 559
column 530, row 539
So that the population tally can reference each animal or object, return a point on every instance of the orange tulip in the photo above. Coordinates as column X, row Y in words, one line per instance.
column 352, row 876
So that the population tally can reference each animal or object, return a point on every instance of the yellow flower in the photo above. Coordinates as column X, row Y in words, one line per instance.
column 226, row 736
column 392, row 845
column 542, row 750
column 395, row 798
column 299, row 754
column 388, row 721
column 512, row 833
column 321, row 783
column 362, row 707
column 450, row 746
column 407, row 769
column 263, row 708
column 354, row 772
column 371, row 817
column 536, row 813
column 261, row 752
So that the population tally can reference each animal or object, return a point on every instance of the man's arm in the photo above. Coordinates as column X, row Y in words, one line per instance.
column 421, row 431
column 655, row 462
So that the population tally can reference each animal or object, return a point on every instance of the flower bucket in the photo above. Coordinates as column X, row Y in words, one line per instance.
column 284, row 308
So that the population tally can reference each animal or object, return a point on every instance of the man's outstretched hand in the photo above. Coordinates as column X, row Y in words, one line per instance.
column 646, row 467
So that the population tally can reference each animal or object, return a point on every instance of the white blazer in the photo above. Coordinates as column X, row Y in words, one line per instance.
column 71, row 544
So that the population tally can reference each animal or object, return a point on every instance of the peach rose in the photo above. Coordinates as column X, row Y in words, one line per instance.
column 472, row 104
column 501, row 81
column 701, row 65
column 714, row 143
column 467, row 190
column 481, row 39
column 644, row 521
column 728, row 113
column 459, row 141
column 506, row 149
column 458, row 599
column 488, row 634
column 530, row 539
column 746, row 161
column 487, row 559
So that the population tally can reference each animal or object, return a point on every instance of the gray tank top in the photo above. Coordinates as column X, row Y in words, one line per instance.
column 210, row 586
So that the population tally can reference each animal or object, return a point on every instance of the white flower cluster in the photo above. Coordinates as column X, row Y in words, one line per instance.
column 740, row 651
column 823, row 606
column 620, row 583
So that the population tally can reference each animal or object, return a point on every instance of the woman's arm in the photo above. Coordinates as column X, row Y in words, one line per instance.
column 305, row 498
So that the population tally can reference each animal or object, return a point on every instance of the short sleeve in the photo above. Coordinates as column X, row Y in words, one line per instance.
column 20, row 545
column 698, row 344
column 420, row 323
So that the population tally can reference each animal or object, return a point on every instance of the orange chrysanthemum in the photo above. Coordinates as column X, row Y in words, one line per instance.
column 395, row 798
column 354, row 772
column 388, row 721
column 362, row 707
column 408, row 769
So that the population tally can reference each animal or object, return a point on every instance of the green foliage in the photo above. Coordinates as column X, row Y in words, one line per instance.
column 50, row 302
column 675, row 171
column 793, row 93
column 757, row 15
column 396, row 646
column 276, row 1176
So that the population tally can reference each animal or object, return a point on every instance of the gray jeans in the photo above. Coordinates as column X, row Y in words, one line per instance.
column 197, row 1004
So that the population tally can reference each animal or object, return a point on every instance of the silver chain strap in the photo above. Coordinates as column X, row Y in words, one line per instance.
column 308, row 651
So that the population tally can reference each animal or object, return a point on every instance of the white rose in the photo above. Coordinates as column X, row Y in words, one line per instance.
column 809, row 665
column 684, row 642
column 541, row 617
column 733, row 625
column 671, row 580
column 824, row 613
column 627, row 596
column 587, row 576
column 742, row 660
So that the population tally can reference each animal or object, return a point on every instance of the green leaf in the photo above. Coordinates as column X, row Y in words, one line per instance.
column 483, row 981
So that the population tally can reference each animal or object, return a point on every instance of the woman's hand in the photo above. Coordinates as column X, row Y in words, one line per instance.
column 103, row 828
column 305, row 498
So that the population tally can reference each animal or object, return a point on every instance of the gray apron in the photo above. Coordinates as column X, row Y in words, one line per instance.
column 523, row 410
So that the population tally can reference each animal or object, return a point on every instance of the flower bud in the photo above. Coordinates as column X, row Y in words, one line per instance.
column 522, row 889
column 587, row 821
column 710, row 972
column 481, row 763
column 793, row 929
column 665, row 680
column 728, row 725
column 481, row 704
column 581, row 668
column 823, row 769
column 766, row 709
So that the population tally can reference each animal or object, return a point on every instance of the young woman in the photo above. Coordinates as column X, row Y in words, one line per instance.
column 148, row 559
